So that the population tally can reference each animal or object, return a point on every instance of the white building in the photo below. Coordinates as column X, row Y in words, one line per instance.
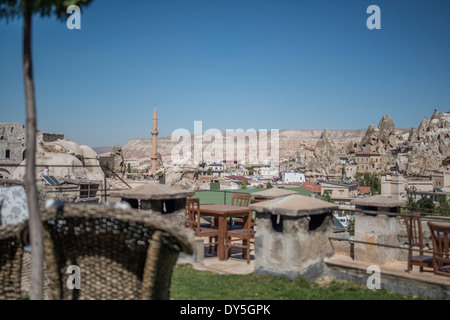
column 394, row 186
column 268, row 173
column 293, row 177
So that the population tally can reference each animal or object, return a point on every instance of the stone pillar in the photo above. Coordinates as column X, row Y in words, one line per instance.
column 377, row 222
column 154, row 142
column 292, row 236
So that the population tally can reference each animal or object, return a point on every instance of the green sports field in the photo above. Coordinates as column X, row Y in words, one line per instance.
column 224, row 196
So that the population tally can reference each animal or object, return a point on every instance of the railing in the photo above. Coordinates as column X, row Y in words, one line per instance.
column 444, row 216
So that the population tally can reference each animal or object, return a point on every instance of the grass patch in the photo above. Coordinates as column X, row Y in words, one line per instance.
column 221, row 197
column 191, row 284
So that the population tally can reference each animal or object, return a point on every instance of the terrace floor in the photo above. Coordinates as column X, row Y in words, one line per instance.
column 397, row 268
column 393, row 277
column 235, row 264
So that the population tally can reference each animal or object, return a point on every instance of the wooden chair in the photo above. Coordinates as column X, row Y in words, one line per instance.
column 193, row 222
column 441, row 244
column 415, row 240
column 253, row 213
column 12, row 241
column 240, row 200
column 122, row 254
column 245, row 234
column 203, row 222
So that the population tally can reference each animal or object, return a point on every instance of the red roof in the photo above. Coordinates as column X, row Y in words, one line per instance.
column 309, row 148
column 364, row 190
column 205, row 178
column 367, row 153
column 312, row 186
column 240, row 178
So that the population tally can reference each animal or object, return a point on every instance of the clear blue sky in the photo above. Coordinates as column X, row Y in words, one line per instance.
column 260, row 64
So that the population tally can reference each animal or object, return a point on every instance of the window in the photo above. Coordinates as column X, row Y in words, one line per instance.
column 341, row 192
column 315, row 221
column 8, row 154
column 277, row 222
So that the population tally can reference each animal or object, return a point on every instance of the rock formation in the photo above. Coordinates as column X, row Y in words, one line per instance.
column 417, row 134
column 326, row 156
column 183, row 177
column 65, row 159
column 352, row 147
column 118, row 158
column 90, row 160
column 430, row 147
column 380, row 139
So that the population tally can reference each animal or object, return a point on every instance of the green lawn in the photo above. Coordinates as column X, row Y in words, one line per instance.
column 191, row 284
column 224, row 196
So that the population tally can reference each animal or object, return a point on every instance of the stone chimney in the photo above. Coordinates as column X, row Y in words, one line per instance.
column 292, row 236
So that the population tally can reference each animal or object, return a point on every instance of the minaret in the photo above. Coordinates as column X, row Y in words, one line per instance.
column 154, row 142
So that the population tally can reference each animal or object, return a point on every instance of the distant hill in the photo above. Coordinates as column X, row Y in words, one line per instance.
column 290, row 141
column 101, row 150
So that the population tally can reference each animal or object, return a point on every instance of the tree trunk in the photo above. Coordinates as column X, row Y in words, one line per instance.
column 35, row 224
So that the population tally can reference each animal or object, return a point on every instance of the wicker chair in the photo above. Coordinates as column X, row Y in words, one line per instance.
column 121, row 254
column 11, row 252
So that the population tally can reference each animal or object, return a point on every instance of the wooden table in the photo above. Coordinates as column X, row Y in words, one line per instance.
column 221, row 212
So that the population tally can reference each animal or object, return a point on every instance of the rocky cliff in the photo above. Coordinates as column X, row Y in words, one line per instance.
column 64, row 159
column 326, row 159
column 415, row 151
column 290, row 141
column 381, row 139
column 428, row 146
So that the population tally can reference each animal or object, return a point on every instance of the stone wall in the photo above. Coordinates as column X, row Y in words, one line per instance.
column 51, row 137
column 12, row 147
column 377, row 229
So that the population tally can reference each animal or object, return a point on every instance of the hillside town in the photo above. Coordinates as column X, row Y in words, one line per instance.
column 325, row 187
column 332, row 165
column 381, row 168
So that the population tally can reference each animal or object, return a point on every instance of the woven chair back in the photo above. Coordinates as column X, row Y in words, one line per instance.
column 121, row 254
